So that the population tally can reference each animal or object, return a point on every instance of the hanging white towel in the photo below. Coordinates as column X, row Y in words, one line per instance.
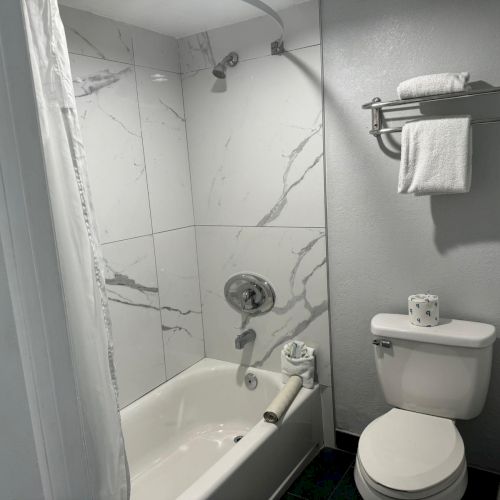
column 441, row 83
column 436, row 156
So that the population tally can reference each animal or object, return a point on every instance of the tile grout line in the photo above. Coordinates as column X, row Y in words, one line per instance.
column 147, row 234
column 127, row 63
column 242, row 60
column 351, row 466
column 192, row 203
column 150, row 213
column 208, row 225
column 332, row 418
column 259, row 227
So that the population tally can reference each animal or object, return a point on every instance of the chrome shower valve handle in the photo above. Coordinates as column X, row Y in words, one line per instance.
column 249, row 294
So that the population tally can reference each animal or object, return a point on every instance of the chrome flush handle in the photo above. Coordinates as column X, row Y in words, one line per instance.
column 383, row 343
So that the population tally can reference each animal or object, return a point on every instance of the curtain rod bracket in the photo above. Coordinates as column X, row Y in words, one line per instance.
column 277, row 47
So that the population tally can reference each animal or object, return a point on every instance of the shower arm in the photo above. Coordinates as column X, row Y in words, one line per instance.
column 278, row 46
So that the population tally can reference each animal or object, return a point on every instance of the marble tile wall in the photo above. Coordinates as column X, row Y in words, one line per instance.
column 129, row 96
column 247, row 197
column 256, row 160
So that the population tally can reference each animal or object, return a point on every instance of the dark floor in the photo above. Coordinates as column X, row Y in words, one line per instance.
column 330, row 476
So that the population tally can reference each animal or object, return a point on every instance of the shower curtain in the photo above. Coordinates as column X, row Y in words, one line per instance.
column 79, row 254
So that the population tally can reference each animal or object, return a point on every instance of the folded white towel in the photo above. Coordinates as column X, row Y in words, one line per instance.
column 302, row 366
column 436, row 156
column 441, row 83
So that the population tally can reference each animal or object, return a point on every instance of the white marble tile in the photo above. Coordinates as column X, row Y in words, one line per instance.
column 154, row 50
column 179, row 299
column 251, row 38
column 96, row 36
column 294, row 261
column 165, row 148
column 134, row 305
column 256, row 146
column 106, row 98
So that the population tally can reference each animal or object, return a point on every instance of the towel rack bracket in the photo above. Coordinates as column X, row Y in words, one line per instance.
column 376, row 117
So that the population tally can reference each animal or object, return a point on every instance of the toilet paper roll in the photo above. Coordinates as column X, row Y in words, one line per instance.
column 423, row 309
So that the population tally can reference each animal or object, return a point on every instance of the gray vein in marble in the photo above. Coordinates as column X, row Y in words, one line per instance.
column 179, row 311
column 278, row 207
column 120, row 36
column 175, row 329
column 141, row 171
column 301, row 254
column 214, row 182
column 126, row 302
column 172, row 110
column 120, row 279
column 219, row 174
column 282, row 327
column 115, row 119
column 314, row 311
column 93, row 83
column 282, row 201
column 89, row 43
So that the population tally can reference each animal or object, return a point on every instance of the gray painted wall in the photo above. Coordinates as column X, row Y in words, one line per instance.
column 384, row 246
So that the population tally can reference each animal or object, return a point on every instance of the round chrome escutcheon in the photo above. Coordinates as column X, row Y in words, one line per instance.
column 251, row 381
column 249, row 294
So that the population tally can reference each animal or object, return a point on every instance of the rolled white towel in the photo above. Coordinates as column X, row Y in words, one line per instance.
column 302, row 366
column 440, row 83
column 283, row 400
column 295, row 349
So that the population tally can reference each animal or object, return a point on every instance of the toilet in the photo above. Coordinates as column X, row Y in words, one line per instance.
column 431, row 376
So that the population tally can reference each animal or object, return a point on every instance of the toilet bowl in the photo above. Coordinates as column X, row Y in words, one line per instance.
column 408, row 455
column 431, row 376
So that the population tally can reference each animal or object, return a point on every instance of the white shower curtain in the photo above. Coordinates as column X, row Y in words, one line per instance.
column 78, row 251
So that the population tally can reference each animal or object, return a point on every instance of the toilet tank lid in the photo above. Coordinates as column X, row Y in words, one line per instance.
column 452, row 332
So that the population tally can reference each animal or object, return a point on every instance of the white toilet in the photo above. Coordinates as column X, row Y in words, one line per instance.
column 431, row 376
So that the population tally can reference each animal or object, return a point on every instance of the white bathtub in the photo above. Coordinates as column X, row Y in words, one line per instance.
column 180, row 437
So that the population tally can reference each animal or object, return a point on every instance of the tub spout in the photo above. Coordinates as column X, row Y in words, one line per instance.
column 244, row 338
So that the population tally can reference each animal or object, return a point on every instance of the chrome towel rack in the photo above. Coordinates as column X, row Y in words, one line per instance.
column 377, row 106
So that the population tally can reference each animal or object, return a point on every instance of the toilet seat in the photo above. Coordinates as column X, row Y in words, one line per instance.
column 404, row 454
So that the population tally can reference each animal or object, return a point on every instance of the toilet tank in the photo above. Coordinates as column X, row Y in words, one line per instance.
column 441, row 370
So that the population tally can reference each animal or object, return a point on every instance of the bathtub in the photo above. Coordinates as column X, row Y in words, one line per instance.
column 182, row 439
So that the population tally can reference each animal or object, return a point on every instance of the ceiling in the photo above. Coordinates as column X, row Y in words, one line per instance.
column 176, row 18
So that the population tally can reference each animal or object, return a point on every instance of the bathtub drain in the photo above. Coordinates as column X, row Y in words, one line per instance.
column 237, row 438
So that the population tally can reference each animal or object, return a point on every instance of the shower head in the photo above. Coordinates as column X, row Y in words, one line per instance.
column 230, row 60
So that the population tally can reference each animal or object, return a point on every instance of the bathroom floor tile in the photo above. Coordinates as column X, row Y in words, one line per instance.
column 330, row 476
column 346, row 489
column 320, row 478
column 482, row 484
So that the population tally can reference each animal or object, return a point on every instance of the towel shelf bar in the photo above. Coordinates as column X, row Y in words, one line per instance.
column 377, row 105
column 392, row 130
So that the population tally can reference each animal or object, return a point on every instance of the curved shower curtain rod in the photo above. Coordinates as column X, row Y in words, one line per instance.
column 278, row 46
